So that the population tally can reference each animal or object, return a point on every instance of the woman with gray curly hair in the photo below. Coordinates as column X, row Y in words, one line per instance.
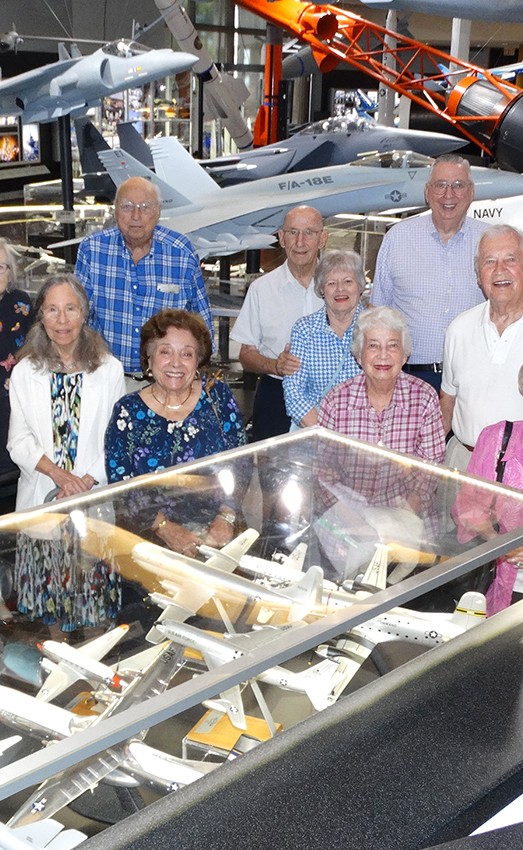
column 384, row 405
column 322, row 340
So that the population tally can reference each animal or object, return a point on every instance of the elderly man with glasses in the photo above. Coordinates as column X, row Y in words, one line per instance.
column 274, row 302
column 135, row 269
column 425, row 266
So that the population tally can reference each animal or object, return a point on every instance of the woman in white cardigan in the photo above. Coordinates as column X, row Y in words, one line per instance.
column 62, row 392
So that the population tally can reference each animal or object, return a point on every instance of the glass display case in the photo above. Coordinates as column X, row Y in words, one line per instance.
column 162, row 655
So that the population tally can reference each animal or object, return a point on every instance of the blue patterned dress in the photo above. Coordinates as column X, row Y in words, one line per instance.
column 140, row 441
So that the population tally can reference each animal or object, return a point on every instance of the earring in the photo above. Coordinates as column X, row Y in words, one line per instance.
column 197, row 375
column 148, row 372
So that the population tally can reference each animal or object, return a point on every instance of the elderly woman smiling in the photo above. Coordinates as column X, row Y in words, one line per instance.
column 322, row 341
column 384, row 405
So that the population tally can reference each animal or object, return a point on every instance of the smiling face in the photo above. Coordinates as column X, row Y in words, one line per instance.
column 62, row 318
column 382, row 355
column 450, row 208
column 173, row 361
column 341, row 292
column 500, row 271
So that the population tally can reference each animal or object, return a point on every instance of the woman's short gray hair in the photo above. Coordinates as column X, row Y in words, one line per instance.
column 386, row 317
column 12, row 258
column 331, row 260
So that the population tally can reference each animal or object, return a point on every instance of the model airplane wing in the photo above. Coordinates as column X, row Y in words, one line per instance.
column 48, row 834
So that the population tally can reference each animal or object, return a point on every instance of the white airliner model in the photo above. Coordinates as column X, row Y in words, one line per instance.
column 500, row 11
column 75, row 83
column 321, row 683
column 222, row 220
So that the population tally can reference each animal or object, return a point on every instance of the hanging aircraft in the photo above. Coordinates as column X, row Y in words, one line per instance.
column 224, row 220
column 74, row 83
column 500, row 11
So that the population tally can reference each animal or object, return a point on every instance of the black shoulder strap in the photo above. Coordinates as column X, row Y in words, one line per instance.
column 500, row 463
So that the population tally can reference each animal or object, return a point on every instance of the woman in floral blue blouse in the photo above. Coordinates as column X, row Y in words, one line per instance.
column 182, row 415
column 16, row 315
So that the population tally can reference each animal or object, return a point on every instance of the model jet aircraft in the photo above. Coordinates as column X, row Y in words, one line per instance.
column 46, row 835
column 74, row 83
column 500, row 11
column 220, row 221
column 334, row 141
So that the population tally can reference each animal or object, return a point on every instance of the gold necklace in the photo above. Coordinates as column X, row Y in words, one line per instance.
column 171, row 406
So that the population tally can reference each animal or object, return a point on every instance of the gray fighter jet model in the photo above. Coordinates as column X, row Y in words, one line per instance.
column 74, row 83
column 501, row 11
column 222, row 221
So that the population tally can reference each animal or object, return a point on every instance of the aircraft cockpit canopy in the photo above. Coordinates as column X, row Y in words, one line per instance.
column 345, row 126
column 395, row 159
column 124, row 47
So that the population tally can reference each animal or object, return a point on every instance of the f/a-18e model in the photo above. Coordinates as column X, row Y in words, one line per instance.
column 74, row 83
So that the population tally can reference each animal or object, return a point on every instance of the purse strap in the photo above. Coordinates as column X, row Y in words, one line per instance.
column 500, row 462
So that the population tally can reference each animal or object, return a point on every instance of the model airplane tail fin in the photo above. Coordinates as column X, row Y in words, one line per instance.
column 305, row 594
column 296, row 559
column 122, row 165
column 324, row 682
column 375, row 575
column 132, row 142
column 174, row 164
column 470, row 610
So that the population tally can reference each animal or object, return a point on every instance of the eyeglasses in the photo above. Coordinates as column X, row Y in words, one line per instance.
column 4, row 267
column 293, row 233
column 459, row 187
column 69, row 311
column 128, row 207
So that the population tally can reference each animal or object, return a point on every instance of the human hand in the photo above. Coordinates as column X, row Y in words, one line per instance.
column 287, row 363
column 68, row 483
column 219, row 532
column 515, row 557
column 177, row 537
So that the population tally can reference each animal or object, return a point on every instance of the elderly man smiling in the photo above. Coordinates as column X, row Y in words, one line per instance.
column 484, row 346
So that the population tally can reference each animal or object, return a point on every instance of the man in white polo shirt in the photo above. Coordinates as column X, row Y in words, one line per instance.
column 273, row 303
column 484, row 347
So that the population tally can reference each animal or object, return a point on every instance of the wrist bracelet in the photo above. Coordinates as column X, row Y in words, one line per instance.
column 228, row 516
column 160, row 525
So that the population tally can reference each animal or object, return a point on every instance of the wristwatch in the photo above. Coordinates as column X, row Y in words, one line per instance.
column 228, row 516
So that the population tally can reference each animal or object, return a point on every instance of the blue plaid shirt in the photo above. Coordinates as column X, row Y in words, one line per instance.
column 124, row 294
column 326, row 360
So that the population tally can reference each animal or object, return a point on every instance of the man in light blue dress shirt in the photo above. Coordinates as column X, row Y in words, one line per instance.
column 425, row 265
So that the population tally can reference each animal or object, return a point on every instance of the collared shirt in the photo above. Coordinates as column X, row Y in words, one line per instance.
column 480, row 368
column 326, row 360
column 272, row 304
column 124, row 294
column 411, row 423
column 428, row 280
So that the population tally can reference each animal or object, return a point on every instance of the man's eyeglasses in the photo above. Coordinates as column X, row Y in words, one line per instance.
column 459, row 187
column 4, row 267
column 308, row 233
column 128, row 207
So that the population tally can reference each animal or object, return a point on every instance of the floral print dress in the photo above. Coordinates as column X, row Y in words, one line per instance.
column 54, row 578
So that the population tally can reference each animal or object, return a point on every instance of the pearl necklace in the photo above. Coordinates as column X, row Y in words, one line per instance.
column 171, row 406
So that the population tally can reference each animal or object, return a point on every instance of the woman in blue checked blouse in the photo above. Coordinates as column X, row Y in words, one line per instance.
column 181, row 416
column 323, row 340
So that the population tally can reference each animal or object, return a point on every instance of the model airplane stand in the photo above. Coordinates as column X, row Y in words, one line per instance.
column 421, row 756
column 214, row 735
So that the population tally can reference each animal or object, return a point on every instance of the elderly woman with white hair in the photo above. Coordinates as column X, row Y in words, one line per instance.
column 322, row 340
column 384, row 405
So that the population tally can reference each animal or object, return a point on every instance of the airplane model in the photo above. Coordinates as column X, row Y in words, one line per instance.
column 333, row 141
column 500, row 11
column 47, row 835
column 235, row 218
column 74, row 83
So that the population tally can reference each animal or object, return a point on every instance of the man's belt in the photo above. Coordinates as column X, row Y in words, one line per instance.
column 136, row 376
column 424, row 367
